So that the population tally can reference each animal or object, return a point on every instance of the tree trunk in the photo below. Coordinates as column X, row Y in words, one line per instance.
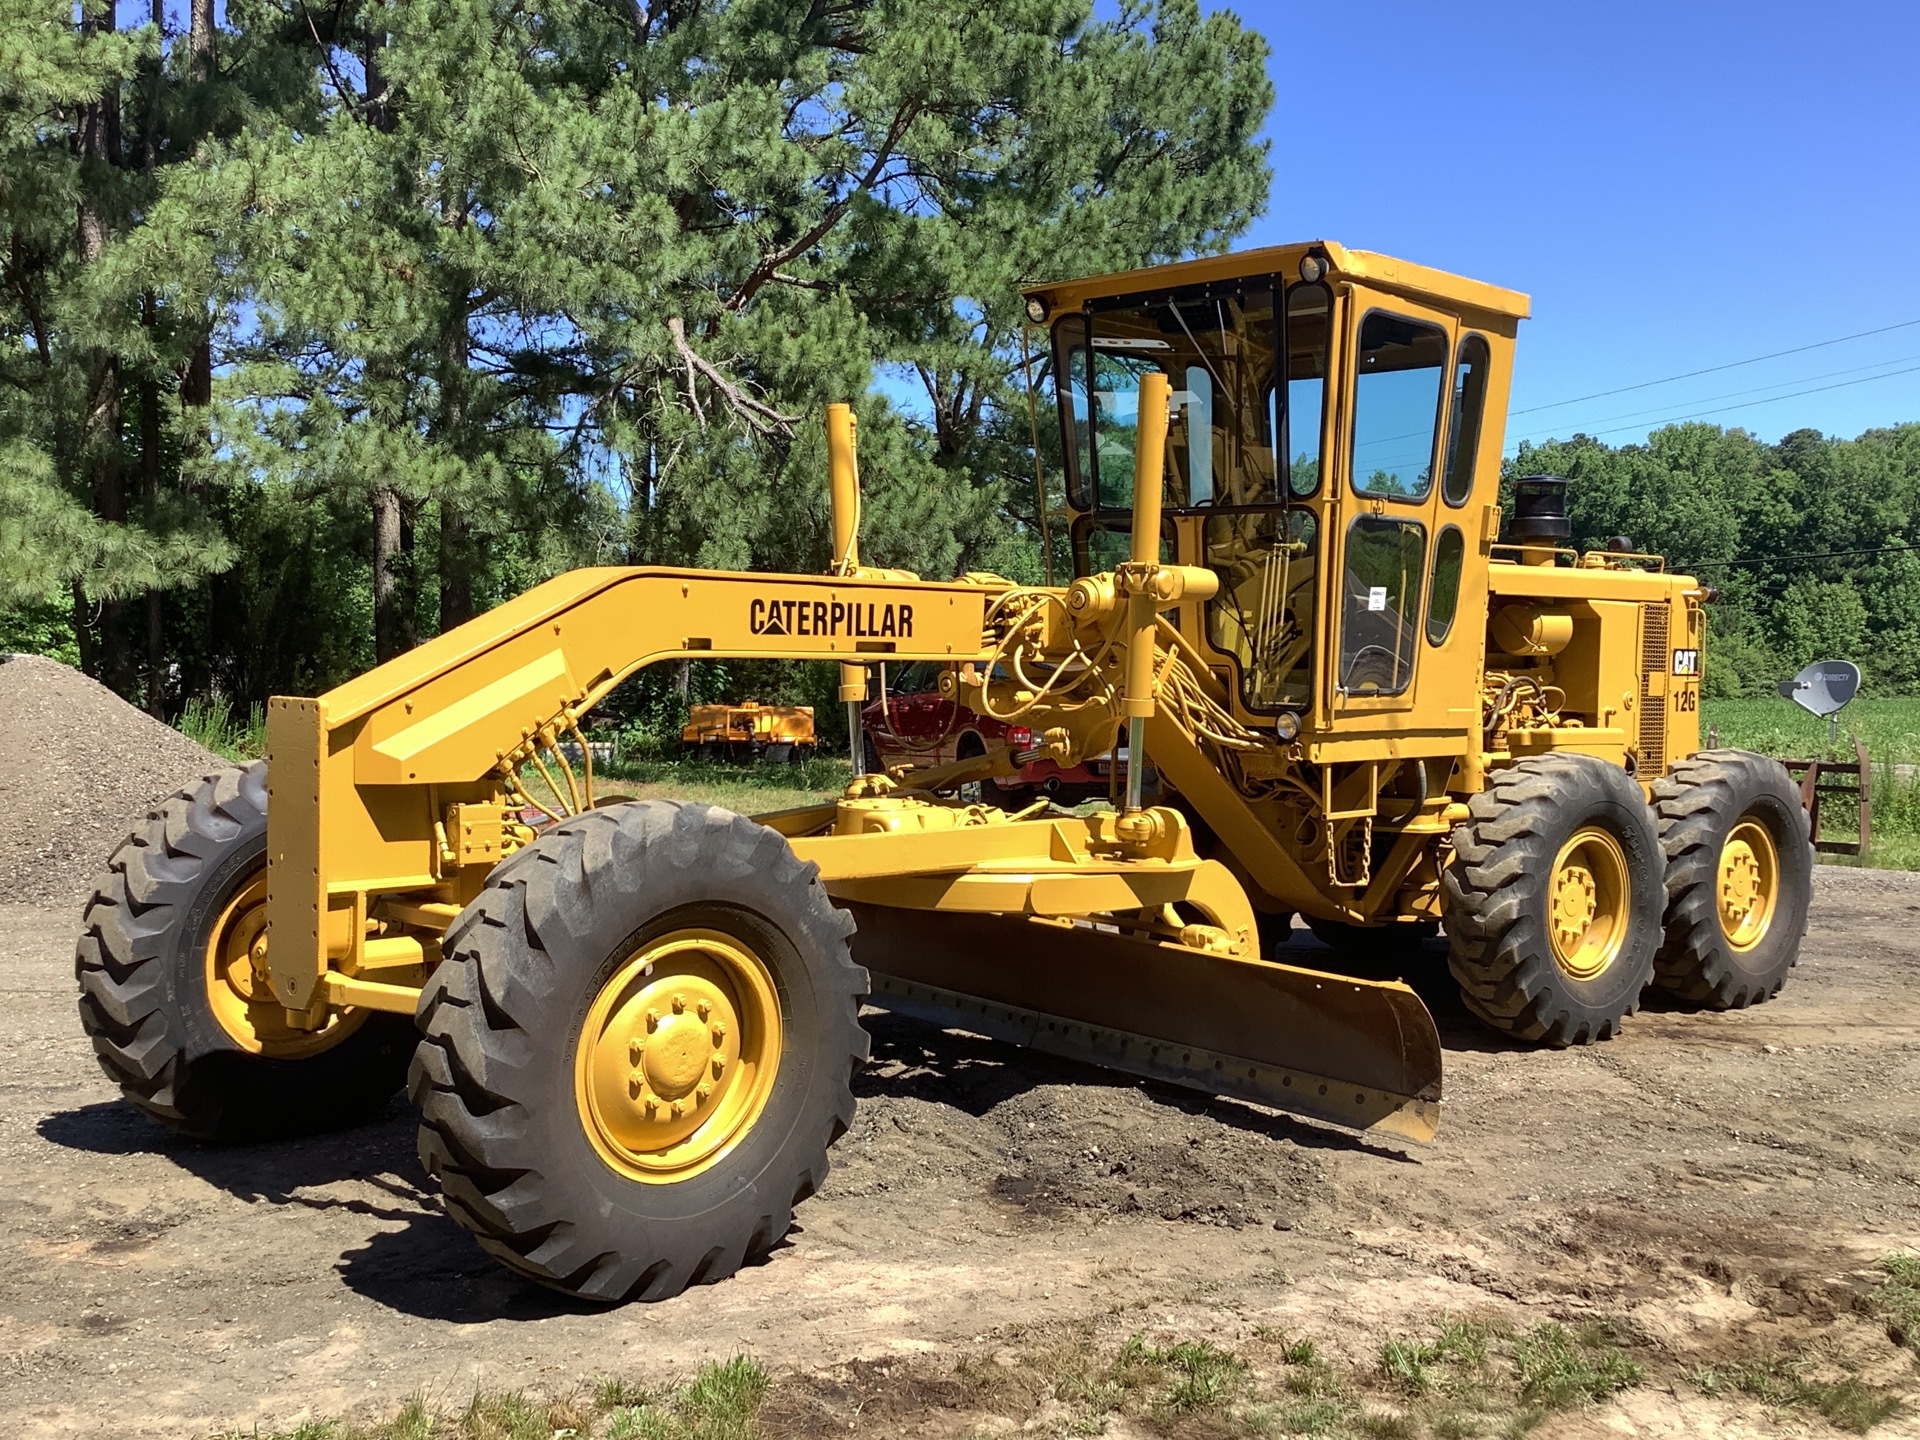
column 392, row 629
column 200, row 39
column 456, row 540
column 196, row 376
column 156, row 666
column 456, row 566
column 97, row 138
column 196, row 379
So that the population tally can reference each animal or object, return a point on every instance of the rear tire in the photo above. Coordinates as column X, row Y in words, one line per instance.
column 1553, row 899
column 649, row 936
column 178, row 1016
column 1739, row 878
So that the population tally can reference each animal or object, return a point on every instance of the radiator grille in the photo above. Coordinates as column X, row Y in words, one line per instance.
column 1653, row 703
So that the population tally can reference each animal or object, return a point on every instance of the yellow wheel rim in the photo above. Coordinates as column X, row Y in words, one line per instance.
column 677, row 1058
column 240, row 993
column 1749, row 884
column 1587, row 903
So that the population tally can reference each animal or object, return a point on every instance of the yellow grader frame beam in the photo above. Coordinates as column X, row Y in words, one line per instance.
column 1105, row 937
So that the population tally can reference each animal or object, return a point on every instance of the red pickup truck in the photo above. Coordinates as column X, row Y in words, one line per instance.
column 916, row 726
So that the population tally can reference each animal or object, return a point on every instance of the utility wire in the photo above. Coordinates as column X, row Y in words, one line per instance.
column 1809, row 555
column 1757, row 389
column 1723, row 409
column 1713, row 369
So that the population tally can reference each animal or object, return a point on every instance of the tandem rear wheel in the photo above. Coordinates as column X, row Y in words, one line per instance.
column 1569, row 894
column 1553, row 900
column 1739, row 878
column 637, row 1050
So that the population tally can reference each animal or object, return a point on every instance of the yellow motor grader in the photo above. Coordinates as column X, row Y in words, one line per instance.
column 630, row 1029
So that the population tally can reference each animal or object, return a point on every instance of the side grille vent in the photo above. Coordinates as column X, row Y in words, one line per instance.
column 1653, row 692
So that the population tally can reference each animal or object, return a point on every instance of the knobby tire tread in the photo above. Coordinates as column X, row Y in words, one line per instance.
column 1498, row 950
column 474, row 1076
column 1696, row 805
column 138, row 973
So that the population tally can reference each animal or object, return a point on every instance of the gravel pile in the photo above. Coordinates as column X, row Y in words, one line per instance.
column 79, row 767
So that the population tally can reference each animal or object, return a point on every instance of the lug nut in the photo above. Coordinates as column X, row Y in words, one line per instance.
column 678, row 1109
column 719, row 1033
column 634, row 1051
column 705, row 1008
column 636, row 1082
column 705, row 1092
column 653, row 1021
column 679, row 1004
column 719, row 1064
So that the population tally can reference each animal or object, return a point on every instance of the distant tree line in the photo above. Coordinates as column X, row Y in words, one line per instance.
column 1827, row 533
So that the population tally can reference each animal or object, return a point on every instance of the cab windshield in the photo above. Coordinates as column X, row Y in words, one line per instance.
column 1217, row 351
column 1240, row 448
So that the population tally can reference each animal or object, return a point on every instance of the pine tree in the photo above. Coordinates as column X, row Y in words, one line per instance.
column 80, row 123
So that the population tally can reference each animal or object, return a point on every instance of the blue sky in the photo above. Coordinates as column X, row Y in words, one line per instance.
column 1677, row 186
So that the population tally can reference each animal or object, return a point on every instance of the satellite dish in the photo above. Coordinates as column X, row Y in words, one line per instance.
column 1824, row 687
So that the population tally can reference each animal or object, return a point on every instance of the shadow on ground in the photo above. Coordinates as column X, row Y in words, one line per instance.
column 418, row 1261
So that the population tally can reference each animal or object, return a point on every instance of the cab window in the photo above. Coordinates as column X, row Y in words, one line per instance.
column 1263, row 613
column 1469, row 405
column 1100, row 545
column 1380, row 609
column 1309, row 308
column 1396, row 405
column 1443, row 595
column 1217, row 350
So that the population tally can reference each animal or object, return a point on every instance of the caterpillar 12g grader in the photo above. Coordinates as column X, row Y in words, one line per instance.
column 630, row 1029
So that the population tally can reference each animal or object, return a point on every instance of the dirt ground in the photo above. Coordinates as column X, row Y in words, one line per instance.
column 1722, row 1183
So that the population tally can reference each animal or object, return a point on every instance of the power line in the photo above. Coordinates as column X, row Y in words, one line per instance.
column 1809, row 555
column 1713, row 369
column 1756, row 389
column 1723, row 409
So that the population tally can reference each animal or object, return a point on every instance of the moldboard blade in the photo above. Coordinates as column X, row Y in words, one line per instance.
column 1362, row 1054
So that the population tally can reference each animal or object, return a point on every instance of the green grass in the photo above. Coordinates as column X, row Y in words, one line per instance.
column 721, row 1402
column 1897, row 1300
column 1847, row 1403
column 1457, row 1380
column 1561, row 1368
column 214, row 724
column 1890, row 730
column 749, row 788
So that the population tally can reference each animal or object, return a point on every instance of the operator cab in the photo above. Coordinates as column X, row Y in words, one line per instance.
column 1334, row 448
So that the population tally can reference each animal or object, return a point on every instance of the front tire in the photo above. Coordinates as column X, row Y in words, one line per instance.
column 1739, row 878
column 1553, row 899
column 172, row 989
column 638, row 1049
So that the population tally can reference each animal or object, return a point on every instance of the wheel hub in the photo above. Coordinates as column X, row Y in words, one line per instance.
column 1575, row 899
column 239, row 984
column 677, row 1056
column 1587, row 903
column 1748, row 884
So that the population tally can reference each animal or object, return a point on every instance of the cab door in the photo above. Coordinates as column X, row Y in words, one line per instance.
column 1385, row 501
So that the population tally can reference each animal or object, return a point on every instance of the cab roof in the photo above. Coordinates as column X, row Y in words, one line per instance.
column 1444, row 291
